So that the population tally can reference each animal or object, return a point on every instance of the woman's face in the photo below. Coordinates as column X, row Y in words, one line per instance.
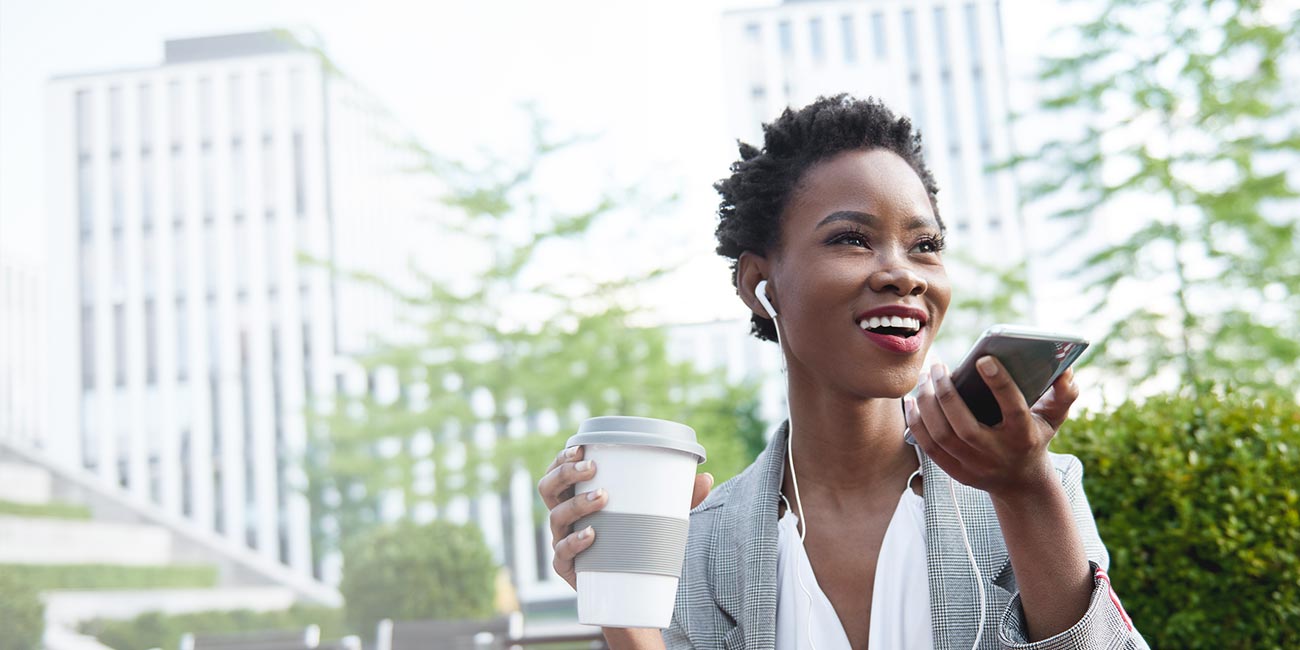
column 860, row 246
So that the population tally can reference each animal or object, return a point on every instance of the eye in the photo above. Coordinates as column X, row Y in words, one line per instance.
column 851, row 237
column 930, row 244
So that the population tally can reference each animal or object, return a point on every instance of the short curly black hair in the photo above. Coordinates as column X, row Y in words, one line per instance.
column 762, row 181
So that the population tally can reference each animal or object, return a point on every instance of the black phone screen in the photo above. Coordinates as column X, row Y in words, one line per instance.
column 1034, row 363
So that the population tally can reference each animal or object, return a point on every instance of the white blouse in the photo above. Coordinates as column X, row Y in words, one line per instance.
column 900, row 597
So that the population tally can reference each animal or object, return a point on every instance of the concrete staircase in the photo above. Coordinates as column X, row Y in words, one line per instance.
column 123, row 532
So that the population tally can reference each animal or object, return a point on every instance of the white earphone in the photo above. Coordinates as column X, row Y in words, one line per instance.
column 760, row 292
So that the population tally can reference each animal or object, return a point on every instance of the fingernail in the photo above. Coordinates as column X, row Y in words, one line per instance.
column 571, row 453
column 583, row 466
column 595, row 494
column 936, row 372
column 909, row 405
column 584, row 533
column 986, row 366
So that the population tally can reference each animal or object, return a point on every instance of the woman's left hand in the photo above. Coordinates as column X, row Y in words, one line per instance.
column 1001, row 459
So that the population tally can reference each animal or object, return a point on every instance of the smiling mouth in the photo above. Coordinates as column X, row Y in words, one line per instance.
column 899, row 326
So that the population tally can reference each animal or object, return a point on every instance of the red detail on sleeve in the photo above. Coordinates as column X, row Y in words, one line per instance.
column 1114, row 598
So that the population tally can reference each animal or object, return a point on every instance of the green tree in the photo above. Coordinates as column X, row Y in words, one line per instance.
column 518, row 344
column 1177, row 117
column 1196, row 498
column 407, row 572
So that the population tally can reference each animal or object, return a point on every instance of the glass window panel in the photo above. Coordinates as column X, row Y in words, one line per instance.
column 847, row 33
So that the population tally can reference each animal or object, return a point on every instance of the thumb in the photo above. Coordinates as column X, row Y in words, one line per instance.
column 703, row 484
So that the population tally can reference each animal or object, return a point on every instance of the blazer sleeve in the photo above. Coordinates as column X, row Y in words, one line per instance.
column 1105, row 625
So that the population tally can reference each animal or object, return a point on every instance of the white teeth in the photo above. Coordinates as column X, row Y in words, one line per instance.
column 899, row 322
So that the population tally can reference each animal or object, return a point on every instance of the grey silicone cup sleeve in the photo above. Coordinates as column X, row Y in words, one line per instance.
column 631, row 543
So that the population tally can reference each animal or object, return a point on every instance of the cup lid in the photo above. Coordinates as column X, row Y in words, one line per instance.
column 632, row 430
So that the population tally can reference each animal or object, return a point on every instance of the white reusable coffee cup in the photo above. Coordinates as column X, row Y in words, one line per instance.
column 628, row 576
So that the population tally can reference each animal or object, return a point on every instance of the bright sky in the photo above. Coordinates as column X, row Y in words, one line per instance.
column 645, row 76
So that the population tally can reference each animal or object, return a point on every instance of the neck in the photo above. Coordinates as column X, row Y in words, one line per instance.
column 846, row 447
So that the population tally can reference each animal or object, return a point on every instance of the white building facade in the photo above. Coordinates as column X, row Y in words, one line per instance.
column 22, row 345
column 187, row 337
column 940, row 62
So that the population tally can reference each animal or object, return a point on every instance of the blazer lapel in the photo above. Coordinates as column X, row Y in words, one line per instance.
column 744, row 562
column 954, row 596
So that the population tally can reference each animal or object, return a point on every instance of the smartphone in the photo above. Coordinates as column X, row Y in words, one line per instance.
column 1034, row 358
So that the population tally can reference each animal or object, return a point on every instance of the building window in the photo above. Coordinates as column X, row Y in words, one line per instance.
column 205, row 111
column 85, row 141
column 210, row 258
column 182, row 340
column 270, row 243
column 236, row 91
column 296, row 116
column 178, row 186
column 209, row 180
column 817, row 40
column 878, row 34
column 299, row 174
column 850, row 39
column 115, row 120
column 119, row 344
column 176, row 113
column 145, row 111
column 268, row 173
column 914, row 67
column 118, row 191
column 758, row 92
column 85, row 196
column 785, row 37
column 146, row 190
column 180, row 253
column 982, row 123
column 87, row 347
column 753, row 32
column 265, row 102
column 151, row 341
column 238, row 188
column 86, row 260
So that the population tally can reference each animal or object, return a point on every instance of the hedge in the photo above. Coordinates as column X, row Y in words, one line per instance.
column 406, row 571
column 157, row 630
column 22, row 614
column 112, row 576
column 1196, row 498
column 53, row 510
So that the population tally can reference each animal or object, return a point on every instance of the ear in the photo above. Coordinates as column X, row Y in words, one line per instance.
column 751, row 268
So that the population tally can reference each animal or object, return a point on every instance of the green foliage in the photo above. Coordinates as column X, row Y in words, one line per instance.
column 1178, row 117
column 158, row 630
column 575, row 350
column 406, row 571
column 22, row 611
column 55, row 510
column 1196, row 498
column 111, row 576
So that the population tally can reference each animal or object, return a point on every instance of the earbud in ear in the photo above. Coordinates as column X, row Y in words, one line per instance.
column 760, row 292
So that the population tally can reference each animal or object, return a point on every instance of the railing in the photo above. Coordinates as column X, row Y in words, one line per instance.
column 590, row 640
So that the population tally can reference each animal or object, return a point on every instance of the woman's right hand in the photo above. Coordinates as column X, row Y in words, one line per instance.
column 556, row 488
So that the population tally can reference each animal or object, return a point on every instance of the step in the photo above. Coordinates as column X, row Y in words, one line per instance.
column 68, row 608
column 41, row 540
column 23, row 483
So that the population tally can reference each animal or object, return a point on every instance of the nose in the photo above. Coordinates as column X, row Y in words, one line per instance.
column 898, row 278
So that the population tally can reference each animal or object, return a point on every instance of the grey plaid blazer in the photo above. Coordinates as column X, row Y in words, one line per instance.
column 726, row 597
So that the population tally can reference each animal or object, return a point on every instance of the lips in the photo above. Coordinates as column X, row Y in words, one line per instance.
column 894, row 328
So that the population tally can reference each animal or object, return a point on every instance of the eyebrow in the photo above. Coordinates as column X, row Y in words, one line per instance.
column 872, row 221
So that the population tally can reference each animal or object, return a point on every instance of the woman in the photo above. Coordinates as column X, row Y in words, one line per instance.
column 835, row 222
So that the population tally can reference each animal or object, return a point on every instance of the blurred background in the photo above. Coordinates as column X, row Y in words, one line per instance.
column 298, row 299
